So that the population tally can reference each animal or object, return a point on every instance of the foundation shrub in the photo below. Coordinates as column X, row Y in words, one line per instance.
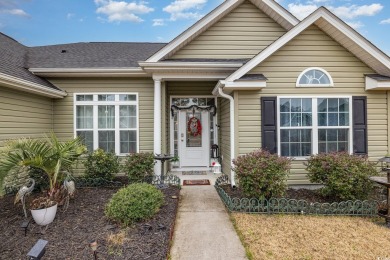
column 138, row 166
column 344, row 176
column 262, row 174
column 136, row 202
column 100, row 164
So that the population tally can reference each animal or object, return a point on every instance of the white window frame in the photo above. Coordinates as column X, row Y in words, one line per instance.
column 315, row 127
column 95, row 103
column 314, row 85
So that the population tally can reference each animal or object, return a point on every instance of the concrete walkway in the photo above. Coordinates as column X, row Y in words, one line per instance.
column 203, row 229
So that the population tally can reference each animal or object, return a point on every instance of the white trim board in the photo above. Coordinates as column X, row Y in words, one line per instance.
column 28, row 86
column 330, row 19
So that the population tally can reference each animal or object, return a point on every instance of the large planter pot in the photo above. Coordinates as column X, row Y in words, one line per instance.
column 45, row 216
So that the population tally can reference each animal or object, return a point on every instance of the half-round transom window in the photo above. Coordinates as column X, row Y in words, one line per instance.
column 314, row 77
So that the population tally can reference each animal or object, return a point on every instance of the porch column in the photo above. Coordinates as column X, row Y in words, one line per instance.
column 157, row 124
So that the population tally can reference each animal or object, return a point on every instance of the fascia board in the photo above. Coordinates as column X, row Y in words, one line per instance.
column 86, row 72
column 281, row 11
column 190, row 64
column 31, row 87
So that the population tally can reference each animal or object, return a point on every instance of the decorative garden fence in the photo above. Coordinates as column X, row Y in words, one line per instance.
column 292, row 206
column 83, row 182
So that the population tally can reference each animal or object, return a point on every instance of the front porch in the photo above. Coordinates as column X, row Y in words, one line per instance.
column 209, row 175
column 182, row 101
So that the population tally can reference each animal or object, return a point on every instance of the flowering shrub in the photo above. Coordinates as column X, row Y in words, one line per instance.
column 262, row 174
column 138, row 166
column 345, row 176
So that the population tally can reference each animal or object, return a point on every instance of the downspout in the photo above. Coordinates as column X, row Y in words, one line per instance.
column 232, row 148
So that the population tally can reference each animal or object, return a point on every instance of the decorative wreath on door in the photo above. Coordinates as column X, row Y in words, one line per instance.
column 194, row 126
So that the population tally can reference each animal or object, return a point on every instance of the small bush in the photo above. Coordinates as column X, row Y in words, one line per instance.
column 134, row 203
column 138, row 166
column 262, row 174
column 100, row 164
column 345, row 176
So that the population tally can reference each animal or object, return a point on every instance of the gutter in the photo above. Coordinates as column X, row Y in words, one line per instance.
column 28, row 86
column 218, row 90
column 89, row 72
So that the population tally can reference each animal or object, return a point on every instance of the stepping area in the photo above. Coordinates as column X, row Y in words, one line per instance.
column 203, row 229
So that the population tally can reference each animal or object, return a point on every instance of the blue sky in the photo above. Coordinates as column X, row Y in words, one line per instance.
column 45, row 22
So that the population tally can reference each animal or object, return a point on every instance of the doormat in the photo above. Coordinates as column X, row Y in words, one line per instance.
column 196, row 182
column 194, row 173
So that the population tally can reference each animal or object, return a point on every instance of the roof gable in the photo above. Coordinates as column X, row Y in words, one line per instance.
column 270, row 7
column 335, row 28
column 240, row 34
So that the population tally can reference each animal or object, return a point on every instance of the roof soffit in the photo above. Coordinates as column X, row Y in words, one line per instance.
column 271, row 8
column 336, row 29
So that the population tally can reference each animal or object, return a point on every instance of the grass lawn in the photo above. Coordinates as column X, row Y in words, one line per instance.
column 312, row 237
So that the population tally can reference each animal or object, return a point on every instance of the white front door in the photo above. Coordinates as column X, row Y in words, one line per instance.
column 194, row 148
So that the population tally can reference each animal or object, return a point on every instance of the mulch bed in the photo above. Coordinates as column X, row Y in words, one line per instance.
column 72, row 231
column 310, row 196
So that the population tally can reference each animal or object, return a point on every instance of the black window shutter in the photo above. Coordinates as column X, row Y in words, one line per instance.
column 268, row 124
column 359, row 110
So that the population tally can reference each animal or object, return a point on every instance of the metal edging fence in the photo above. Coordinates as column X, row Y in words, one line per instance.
column 367, row 208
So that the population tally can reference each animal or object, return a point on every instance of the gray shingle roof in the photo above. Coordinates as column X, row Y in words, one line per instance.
column 12, row 61
column 91, row 55
column 17, row 58
column 378, row 77
column 250, row 77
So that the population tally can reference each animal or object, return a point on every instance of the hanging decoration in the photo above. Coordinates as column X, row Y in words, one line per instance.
column 211, row 108
column 194, row 127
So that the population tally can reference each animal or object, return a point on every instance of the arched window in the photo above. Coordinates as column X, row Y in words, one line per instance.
column 314, row 77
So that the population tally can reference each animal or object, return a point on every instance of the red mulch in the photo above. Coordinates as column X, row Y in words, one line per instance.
column 196, row 182
column 72, row 231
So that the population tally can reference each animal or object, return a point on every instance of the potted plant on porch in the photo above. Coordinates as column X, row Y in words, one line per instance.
column 174, row 161
column 53, row 157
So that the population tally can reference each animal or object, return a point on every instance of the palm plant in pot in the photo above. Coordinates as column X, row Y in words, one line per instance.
column 54, row 157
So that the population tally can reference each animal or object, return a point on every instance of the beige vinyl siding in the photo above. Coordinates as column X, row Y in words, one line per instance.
column 190, row 88
column 241, row 34
column 312, row 48
column 64, row 108
column 24, row 115
column 224, row 134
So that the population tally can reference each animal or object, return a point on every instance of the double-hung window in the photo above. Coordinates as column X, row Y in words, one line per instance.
column 314, row 125
column 108, row 121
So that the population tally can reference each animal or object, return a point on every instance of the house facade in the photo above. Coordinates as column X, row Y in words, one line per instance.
column 248, row 75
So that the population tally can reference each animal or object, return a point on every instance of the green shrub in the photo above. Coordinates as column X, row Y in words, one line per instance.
column 101, row 164
column 40, row 177
column 138, row 166
column 345, row 176
column 134, row 203
column 262, row 174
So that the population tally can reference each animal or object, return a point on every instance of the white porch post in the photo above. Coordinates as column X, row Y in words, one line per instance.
column 157, row 124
